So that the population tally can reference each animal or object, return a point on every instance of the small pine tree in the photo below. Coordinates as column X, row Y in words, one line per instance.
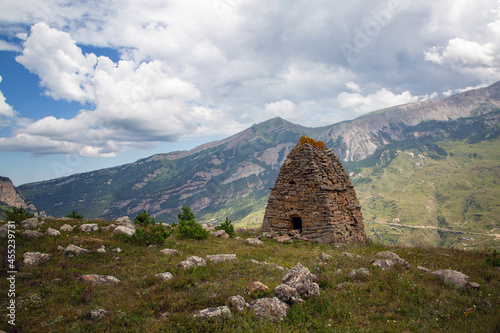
column 74, row 215
column 227, row 226
column 18, row 215
column 188, row 228
column 149, row 233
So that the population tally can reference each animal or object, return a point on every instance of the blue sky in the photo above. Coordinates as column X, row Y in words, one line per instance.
column 91, row 84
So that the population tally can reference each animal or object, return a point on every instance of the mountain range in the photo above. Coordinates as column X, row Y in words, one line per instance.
column 426, row 173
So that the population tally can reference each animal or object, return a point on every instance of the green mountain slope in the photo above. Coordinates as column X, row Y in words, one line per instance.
column 431, row 168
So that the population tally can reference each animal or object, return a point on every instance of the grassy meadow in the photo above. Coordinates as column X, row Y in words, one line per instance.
column 52, row 298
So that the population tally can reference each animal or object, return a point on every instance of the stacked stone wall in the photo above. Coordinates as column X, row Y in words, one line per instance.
column 314, row 186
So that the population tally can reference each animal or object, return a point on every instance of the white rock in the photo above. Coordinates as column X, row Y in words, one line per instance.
column 123, row 230
column 164, row 276
column 35, row 258
column 89, row 227
column 52, row 232
column 66, row 228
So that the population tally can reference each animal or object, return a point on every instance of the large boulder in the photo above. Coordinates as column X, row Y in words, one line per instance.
column 126, row 222
column 35, row 258
column 219, row 233
column 30, row 224
column 272, row 309
column 385, row 264
column 123, row 230
column 89, row 227
column 454, row 277
column 193, row 261
column 300, row 278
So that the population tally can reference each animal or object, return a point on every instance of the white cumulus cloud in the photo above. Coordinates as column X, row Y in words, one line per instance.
column 6, row 110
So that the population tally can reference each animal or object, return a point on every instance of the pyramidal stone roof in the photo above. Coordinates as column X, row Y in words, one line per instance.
column 314, row 196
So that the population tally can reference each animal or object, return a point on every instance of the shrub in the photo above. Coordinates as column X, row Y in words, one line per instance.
column 74, row 215
column 188, row 228
column 227, row 226
column 495, row 262
column 143, row 219
column 149, row 233
column 18, row 215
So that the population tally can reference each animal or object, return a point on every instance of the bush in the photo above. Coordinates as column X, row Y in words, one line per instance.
column 227, row 226
column 18, row 215
column 188, row 228
column 74, row 215
column 149, row 233
column 143, row 219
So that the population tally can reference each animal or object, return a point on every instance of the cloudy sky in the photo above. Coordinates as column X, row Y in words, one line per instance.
column 91, row 84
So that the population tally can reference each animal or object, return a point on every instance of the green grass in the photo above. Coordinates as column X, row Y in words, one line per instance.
column 394, row 301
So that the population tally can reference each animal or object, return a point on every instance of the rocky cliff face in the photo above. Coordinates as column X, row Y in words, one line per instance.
column 357, row 139
column 12, row 197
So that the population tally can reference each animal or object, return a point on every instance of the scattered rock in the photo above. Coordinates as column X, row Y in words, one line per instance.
column 221, row 257
column 170, row 252
column 75, row 249
column 269, row 308
column 474, row 285
column 164, row 316
column 388, row 255
column 401, row 262
column 123, row 230
column 102, row 249
column 423, row 269
column 99, row 279
column 66, row 228
column 193, row 261
column 35, row 258
column 89, row 227
column 255, row 287
column 52, row 232
column 117, row 250
column 238, row 303
column 253, row 241
column 325, row 257
column 385, row 264
column 206, row 227
column 457, row 278
column 284, row 239
column 110, row 227
column 300, row 278
column 344, row 285
column 360, row 272
column 350, row 255
column 126, row 222
column 220, row 312
column 219, row 233
column 32, row 234
column 4, row 230
column 485, row 304
column 287, row 294
column 98, row 313
column 164, row 276
column 30, row 224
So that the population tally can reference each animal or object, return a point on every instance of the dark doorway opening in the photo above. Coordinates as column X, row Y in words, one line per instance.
column 297, row 223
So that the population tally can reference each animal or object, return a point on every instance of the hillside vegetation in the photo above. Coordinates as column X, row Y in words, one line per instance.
column 53, row 298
